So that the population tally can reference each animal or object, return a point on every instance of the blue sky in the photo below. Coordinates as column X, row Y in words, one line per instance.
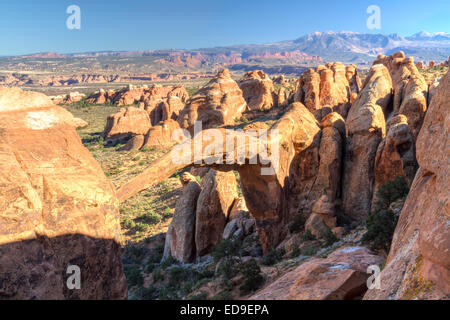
column 30, row 26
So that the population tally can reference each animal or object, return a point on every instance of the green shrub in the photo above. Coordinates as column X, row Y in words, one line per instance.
column 151, row 217
column 272, row 257
column 225, row 248
column 168, row 293
column 134, row 252
column 128, row 223
column 253, row 278
column 201, row 296
column 133, row 275
column 390, row 192
column 310, row 251
column 187, row 287
column 308, row 236
column 380, row 229
column 147, row 293
column 329, row 237
column 298, row 224
column 382, row 222
column 200, row 283
column 149, row 267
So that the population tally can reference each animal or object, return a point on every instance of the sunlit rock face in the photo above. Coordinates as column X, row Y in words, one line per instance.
column 57, row 207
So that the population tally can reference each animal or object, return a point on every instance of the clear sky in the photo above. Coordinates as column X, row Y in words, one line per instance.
column 30, row 26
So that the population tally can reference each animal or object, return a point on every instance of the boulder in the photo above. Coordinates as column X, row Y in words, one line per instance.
column 58, row 209
column 418, row 265
column 341, row 276
column 239, row 228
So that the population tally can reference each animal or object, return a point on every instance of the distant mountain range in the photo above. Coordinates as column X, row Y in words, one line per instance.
column 348, row 47
column 359, row 47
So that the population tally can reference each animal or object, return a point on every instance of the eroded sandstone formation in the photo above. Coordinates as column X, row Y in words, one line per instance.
column 57, row 207
column 409, row 88
column 219, row 192
column 396, row 154
column 219, row 102
column 332, row 85
column 341, row 276
column 131, row 95
column 267, row 196
column 200, row 216
column 258, row 90
column 366, row 127
column 418, row 265
column 180, row 237
column 126, row 123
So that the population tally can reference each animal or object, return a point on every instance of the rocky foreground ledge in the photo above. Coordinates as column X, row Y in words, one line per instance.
column 57, row 208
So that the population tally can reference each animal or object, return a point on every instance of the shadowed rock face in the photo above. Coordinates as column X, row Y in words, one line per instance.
column 219, row 102
column 418, row 265
column 219, row 192
column 126, row 123
column 57, row 206
column 366, row 128
column 409, row 88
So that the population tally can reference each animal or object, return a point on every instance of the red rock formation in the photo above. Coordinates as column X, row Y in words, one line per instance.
column 330, row 85
column 341, row 276
column 126, row 123
column 366, row 128
column 396, row 154
column 258, row 90
column 282, row 97
column 180, row 237
column 268, row 197
column 219, row 191
column 410, row 89
column 418, row 265
column 219, row 102
column 58, row 208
